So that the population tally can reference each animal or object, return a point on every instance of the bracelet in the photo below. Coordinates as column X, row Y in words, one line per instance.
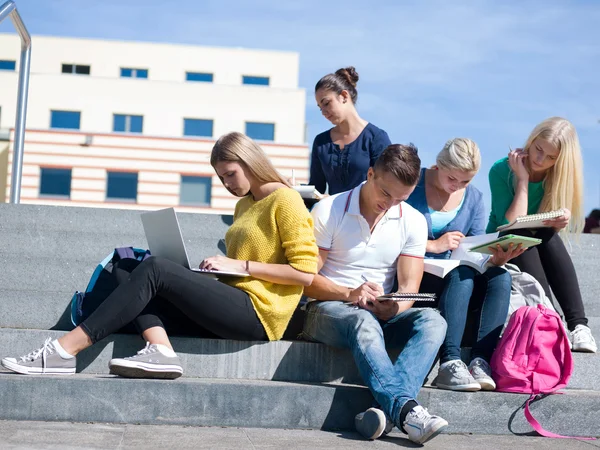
column 248, row 267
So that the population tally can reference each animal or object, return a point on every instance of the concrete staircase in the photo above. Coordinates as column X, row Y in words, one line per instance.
column 49, row 252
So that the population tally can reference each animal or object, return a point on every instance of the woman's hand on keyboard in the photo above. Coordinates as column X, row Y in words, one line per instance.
column 223, row 263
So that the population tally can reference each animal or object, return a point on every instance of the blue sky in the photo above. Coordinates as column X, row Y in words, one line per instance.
column 429, row 70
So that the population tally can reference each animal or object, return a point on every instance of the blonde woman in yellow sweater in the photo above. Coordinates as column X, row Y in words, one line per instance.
column 271, row 239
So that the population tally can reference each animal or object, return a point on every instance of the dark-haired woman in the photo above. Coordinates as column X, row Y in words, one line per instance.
column 342, row 155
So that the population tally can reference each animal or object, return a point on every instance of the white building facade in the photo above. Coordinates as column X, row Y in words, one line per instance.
column 131, row 125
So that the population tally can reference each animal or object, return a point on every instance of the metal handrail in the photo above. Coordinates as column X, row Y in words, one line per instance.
column 10, row 9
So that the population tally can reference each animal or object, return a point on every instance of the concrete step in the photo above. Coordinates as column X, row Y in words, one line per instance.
column 271, row 404
column 296, row 361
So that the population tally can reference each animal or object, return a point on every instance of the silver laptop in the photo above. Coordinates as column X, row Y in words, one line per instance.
column 164, row 239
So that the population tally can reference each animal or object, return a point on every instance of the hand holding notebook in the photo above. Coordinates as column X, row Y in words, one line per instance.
column 534, row 220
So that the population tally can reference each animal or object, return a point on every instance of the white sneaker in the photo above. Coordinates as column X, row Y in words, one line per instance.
column 482, row 372
column 582, row 340
column 422, row 426
column 373, row 423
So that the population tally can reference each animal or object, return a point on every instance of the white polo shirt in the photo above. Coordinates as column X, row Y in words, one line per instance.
column 354, row 252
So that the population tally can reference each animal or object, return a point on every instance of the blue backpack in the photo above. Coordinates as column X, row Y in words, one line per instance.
column 102, row 283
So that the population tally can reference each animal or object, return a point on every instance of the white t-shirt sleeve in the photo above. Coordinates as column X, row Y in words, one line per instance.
column 325, row 223
column 416, row 233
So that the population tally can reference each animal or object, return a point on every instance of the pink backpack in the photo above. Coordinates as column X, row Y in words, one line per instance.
column 533, row 357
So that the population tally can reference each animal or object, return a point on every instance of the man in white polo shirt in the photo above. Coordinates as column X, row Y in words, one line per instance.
column 367, row 237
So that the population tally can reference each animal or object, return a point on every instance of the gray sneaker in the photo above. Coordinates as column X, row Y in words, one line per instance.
column 44, row 361
column 482, row 373
column 373, row 423
column 455, row 376
column 149, row 362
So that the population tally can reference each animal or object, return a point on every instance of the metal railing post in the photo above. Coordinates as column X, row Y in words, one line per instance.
column 10, row 9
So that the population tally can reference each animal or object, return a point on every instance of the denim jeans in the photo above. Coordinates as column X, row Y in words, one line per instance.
column 458, row 297
column 419, row 332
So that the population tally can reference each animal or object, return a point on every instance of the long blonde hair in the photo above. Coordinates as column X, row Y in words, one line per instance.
column 240, row 148
column 459, row 154
column 563, row 183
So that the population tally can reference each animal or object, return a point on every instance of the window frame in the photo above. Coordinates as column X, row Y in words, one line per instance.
column 134, row 72
column 187, row 77
column 246, row 123
column 42, row 195
column 195, row 203
column 254, row 80
column 212, row 127
column 109, row 199
column 128, row 120
column 52, row 111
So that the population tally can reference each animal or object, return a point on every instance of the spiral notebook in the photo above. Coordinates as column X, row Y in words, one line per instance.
column 407, row 297
column 531, row 221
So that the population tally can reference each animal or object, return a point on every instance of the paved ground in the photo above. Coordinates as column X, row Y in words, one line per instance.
column 68, row 436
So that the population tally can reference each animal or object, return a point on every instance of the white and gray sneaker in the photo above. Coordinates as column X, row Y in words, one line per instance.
column 455, row 376
column 482, row 373
column 422, row 426
column 373, row 423
column 44, row 361
column 153, row 361
column 582, row 340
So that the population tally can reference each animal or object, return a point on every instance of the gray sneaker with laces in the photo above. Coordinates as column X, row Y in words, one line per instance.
column 43, row 361
column 482, row 373
column 373, row 423
column 149, row 362
column 455, row 376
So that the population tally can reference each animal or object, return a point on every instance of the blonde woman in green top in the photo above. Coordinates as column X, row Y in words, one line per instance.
column 546, row 175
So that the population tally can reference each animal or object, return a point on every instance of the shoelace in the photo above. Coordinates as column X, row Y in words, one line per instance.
column 145, row 351
column 458, row 366
column 420, row 415
column 43, row 351
column 480, row 367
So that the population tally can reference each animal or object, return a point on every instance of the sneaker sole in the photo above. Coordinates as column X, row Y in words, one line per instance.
column 585, row 349
column 25, row 370
column 372, row 425
column 487, row 386
column 430, row 436
column 133, row 370
column 460, row 387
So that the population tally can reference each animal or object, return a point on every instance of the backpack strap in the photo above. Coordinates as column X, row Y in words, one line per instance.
column 537, row 427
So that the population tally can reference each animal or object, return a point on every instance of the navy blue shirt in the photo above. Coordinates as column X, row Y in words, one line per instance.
column 345, row 169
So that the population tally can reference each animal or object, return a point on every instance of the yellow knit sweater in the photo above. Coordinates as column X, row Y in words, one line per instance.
column 277, row 229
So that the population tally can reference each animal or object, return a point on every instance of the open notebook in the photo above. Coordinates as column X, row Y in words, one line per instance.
column 531, row 221
column 462, row 256
column 308, row 191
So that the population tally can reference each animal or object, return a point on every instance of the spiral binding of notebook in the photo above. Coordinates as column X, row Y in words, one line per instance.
column 408, row 297
column 538, row 219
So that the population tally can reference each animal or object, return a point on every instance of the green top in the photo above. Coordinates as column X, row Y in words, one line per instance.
column 502, row 186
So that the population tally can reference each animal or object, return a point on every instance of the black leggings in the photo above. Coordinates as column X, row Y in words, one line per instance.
column 551, row 265
column 160, row 290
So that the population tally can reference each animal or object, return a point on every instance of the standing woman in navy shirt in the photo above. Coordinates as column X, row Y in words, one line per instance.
column 342, row 155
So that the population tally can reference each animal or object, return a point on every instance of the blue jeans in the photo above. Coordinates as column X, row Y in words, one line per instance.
column 419, row 332
column 491, row 294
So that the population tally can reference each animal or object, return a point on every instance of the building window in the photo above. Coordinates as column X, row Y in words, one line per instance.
column 260, row 131
column 134, row 73
column 261, row 81
column 195, row 190
column 128, row 123
column 55, row 182
column 7, row 65
column 199, row 76
column 198, row 127
column 65, row 119
column 76, row 68
column 122, row 186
